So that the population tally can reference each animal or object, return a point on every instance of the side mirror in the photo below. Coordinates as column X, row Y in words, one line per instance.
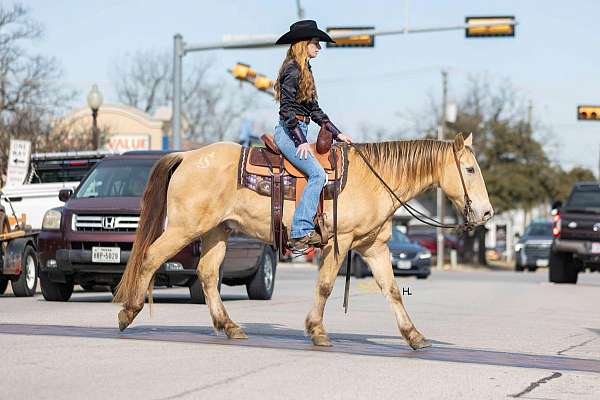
column 65, row 194
column 557, row 205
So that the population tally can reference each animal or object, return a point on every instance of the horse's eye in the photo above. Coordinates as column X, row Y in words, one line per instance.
column 470, row 170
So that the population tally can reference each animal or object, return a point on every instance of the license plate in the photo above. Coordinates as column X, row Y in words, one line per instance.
column 596, row 248
column 541, row 263
column 106, row 255
column 403, row 265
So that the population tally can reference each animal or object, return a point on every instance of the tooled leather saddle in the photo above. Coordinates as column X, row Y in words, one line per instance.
column 266, row 171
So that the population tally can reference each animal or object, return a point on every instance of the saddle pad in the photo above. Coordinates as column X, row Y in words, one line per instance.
column 292, row 185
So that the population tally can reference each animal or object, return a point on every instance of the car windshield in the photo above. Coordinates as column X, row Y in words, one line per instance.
column 540, row 229
column 585, row 197
column 116, row 178
column 399, row 237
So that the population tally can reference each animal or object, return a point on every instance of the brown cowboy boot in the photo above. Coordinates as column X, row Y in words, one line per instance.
column 310, row 240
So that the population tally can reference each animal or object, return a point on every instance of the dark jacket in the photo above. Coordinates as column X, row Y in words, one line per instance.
column 289, row 106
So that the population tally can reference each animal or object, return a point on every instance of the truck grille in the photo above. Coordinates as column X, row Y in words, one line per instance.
column 105, row 223
column 537, row 250
column 124, row 246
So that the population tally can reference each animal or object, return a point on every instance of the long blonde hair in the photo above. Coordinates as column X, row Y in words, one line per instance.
column 298, row 52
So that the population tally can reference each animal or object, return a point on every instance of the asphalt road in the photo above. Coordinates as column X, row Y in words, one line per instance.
column 495, row 335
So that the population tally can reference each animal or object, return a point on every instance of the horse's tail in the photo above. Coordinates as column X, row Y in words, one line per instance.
column 150, row 227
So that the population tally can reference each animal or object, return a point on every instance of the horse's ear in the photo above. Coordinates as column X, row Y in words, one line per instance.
column 469, row 140
column 459, row 143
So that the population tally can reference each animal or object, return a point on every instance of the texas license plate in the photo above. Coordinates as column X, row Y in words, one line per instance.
column 596, row 248
column 403, row 264
column 106, row 255
column 541, row 263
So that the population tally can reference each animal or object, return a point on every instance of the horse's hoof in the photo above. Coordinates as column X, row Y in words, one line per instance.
column 236, row 333
column 321, row 340
column 420, row 344
column 124, row 320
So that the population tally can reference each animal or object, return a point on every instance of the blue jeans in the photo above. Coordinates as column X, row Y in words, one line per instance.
column 306, row 208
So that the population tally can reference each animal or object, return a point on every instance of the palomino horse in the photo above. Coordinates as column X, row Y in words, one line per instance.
column 202, row 201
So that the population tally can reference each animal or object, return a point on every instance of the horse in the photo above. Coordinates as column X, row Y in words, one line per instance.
column 197, row 193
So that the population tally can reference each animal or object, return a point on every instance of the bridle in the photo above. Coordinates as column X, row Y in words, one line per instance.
column 468, row 213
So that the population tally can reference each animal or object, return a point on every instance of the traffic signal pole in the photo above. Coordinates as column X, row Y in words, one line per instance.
column 261, row 41
column 440, row 195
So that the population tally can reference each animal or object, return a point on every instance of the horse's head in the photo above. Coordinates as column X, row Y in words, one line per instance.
column 463, row 162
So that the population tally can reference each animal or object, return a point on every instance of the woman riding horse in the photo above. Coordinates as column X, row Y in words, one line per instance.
column 297, row 95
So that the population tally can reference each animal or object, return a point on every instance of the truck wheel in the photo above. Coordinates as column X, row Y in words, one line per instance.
column 358, row 267
column 261, row 285
column 3, row 285
column 561, row 268
column 55, row 291
column 196, row 291
column 26, row 283
column 519, row 267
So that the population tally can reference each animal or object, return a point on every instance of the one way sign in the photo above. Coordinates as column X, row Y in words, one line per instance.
column 18, row 162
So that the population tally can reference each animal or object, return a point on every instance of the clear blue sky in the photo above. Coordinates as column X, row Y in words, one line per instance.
column 554, row 60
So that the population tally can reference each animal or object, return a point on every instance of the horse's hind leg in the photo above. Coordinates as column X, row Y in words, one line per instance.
column 214, row 244
column 377, row 255
column 169, row 243
column 327, row 274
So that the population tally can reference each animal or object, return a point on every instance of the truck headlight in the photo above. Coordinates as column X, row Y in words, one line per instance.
column 51, row 220
column 424, row 255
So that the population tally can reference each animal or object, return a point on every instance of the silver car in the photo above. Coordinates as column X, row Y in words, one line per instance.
column 533, row 248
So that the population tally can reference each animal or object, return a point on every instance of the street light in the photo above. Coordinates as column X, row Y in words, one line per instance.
column 94, row 100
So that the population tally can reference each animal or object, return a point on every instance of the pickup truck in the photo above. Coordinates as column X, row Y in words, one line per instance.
column 576, row 231
column 48, row 174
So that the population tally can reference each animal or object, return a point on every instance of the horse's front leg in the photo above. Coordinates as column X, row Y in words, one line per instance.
column 327, row 274
column 377, row 255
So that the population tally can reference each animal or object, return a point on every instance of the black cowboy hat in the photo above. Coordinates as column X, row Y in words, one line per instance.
column 304, row 30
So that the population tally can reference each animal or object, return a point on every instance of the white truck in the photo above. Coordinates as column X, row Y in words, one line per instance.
column 48, row 174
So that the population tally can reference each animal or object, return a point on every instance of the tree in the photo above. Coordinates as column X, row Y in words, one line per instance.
column 30, row 93
column 144, row 80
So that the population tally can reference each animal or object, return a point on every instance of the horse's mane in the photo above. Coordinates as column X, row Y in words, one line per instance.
column 406, row 162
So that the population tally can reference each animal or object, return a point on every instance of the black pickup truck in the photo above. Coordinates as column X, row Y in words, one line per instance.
column 576, row 231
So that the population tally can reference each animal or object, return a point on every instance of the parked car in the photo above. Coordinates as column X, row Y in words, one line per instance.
column 408, row 258
column 533, row 248
column 429, row 241
column 576, row 232
column 89, row 240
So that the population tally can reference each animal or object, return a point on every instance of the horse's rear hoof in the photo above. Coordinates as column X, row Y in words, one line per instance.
column 236, row 333
column 321, row 340
column 124, row 320
column 421, row 344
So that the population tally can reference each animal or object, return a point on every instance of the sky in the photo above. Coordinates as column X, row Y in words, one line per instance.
column 553, row 61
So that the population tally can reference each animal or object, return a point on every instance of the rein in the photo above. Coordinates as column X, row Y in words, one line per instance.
column 467, row 211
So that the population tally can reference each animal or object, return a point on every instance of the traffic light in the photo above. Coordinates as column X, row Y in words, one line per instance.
column 243, row 71
column 588, row 113
column 506, row 27
column 262, row 82
column 352, row 41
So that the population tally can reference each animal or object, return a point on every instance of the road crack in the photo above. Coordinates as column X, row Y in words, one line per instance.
column 577, row 345
column 535, row 384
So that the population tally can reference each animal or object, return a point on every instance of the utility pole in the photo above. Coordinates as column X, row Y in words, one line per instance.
column 300, row 10
column 440, row 195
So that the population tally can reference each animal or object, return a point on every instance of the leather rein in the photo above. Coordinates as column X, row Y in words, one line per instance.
column 467, row 225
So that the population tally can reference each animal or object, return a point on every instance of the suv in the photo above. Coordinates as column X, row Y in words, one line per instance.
column 88, row 241
column 576, row 232
column 533, row 248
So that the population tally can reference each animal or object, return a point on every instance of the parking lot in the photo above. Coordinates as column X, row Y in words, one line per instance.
column 495, row 334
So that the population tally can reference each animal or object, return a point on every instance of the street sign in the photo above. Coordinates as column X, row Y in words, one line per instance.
column 588, row 113
column 496, row 27
column 352, row 41
column 18, row 162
